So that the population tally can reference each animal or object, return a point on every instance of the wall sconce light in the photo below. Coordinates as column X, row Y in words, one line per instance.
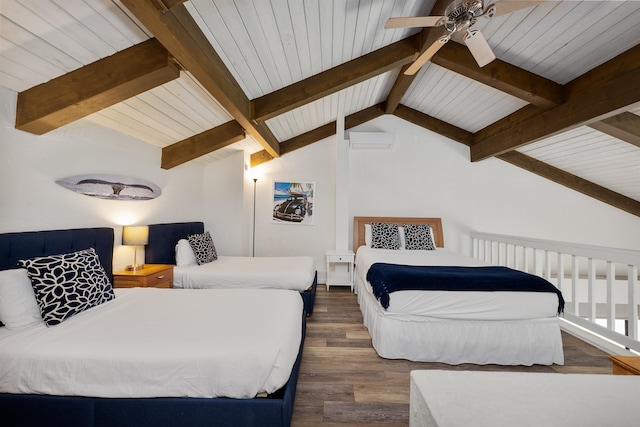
column 135, row 236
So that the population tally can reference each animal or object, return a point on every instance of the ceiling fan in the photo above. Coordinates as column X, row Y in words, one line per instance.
column 459, row 16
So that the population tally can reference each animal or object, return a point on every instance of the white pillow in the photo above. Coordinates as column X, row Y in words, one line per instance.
column 367, row 235
column 402, row 238
column 18, row 305
column 184, row 254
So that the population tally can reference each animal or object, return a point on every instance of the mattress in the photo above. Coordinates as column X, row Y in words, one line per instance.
column 150, row 342
column 296, row 273
column 452, row 305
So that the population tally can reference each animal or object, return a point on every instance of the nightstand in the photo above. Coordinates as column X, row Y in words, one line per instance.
column 625, row 365
column 151, row 276
column 342, row 263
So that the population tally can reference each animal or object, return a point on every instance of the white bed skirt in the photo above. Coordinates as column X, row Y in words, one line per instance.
column 502, row 342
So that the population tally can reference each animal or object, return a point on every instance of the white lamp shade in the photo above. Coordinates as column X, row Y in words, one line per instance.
column 135, row 235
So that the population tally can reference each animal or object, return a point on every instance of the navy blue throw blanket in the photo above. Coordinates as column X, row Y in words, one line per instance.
column 387, row 278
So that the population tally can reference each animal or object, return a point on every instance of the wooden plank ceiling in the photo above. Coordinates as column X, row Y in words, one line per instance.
column 204, row 78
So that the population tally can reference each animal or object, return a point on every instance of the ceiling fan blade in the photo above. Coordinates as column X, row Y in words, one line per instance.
column 506, row 6
column 414, row 21
column 427, row 55
column 479, row 47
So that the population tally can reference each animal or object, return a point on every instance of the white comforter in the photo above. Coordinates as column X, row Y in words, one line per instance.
column 295, row 273
column 452, row 305
column 151, row 342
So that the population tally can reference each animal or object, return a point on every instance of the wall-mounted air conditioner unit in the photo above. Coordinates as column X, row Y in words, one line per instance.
column 371, row 140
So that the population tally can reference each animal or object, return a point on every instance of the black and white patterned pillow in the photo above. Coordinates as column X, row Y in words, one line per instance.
column 385, row 236
column 418, row 237
column 67, row 284
column 203, row 248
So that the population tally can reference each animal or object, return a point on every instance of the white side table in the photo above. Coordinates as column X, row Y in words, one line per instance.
column 342, row 274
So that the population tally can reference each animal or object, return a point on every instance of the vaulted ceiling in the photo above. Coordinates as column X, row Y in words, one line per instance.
column 204, row 78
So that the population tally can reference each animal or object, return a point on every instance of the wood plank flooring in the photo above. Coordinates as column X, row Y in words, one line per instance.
column 343, row 382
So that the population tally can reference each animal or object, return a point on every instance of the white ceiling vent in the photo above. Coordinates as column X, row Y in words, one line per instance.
column 371, row 140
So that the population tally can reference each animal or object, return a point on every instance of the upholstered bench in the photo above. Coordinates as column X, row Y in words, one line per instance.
column 474, row 398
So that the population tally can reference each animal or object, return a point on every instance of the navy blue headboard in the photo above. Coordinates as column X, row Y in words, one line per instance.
column 163, row 239
column 29, row 244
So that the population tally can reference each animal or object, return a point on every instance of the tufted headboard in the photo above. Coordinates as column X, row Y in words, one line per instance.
column 29, row 244
column 163, row 239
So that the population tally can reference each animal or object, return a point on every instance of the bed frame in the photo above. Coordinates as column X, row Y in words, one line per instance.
column 360, row 221
column 432, row 334
column 64, row 411
column 162, row 243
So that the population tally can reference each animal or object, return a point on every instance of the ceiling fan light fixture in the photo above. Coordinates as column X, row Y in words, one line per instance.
column 479, row 48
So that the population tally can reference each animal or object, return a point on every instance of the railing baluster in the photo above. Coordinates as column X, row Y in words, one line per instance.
column 633, row 302
column 537, row 269
column 547, row 265
column 486, row 251
column 611, row 302
column 560, row 273
column 591, row 280
column 511, row 256
column 575, row 277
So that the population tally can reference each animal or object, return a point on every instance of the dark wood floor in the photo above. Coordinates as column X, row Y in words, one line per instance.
column 343, row 382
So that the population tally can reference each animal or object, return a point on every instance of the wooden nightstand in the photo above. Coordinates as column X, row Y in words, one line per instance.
column 339, row 276
column 151, row 276
column 625, row 365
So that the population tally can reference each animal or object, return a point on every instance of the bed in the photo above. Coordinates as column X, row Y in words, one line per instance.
column 480, row 327
column 82, row 389
column 297, row 273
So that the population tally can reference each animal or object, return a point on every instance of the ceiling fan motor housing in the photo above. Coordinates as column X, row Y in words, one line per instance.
column 460, row 15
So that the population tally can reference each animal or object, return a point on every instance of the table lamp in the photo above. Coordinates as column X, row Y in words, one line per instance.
column 135, row 236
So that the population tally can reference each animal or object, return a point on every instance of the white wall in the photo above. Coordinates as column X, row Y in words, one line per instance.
column 315, row 163
column 226, row 205
column 427, row 175
column 30, row 164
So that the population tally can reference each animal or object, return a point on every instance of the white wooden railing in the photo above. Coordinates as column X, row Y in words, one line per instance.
column 599, row 285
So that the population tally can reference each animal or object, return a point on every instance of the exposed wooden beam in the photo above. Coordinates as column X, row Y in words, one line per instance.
column 398, row 90
column 201, row 144
column 180, row 35
column 443, row 128
column 403, row 81
column 320, row 133
column 624, row 126
column 308, row 138
column 571, row 181
column 93, row 87
column 501, row 75
column 260, row 157
column 586, row 103
column 363, row 116
column 335, row 79
column 167, row 4
column 507, row 123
